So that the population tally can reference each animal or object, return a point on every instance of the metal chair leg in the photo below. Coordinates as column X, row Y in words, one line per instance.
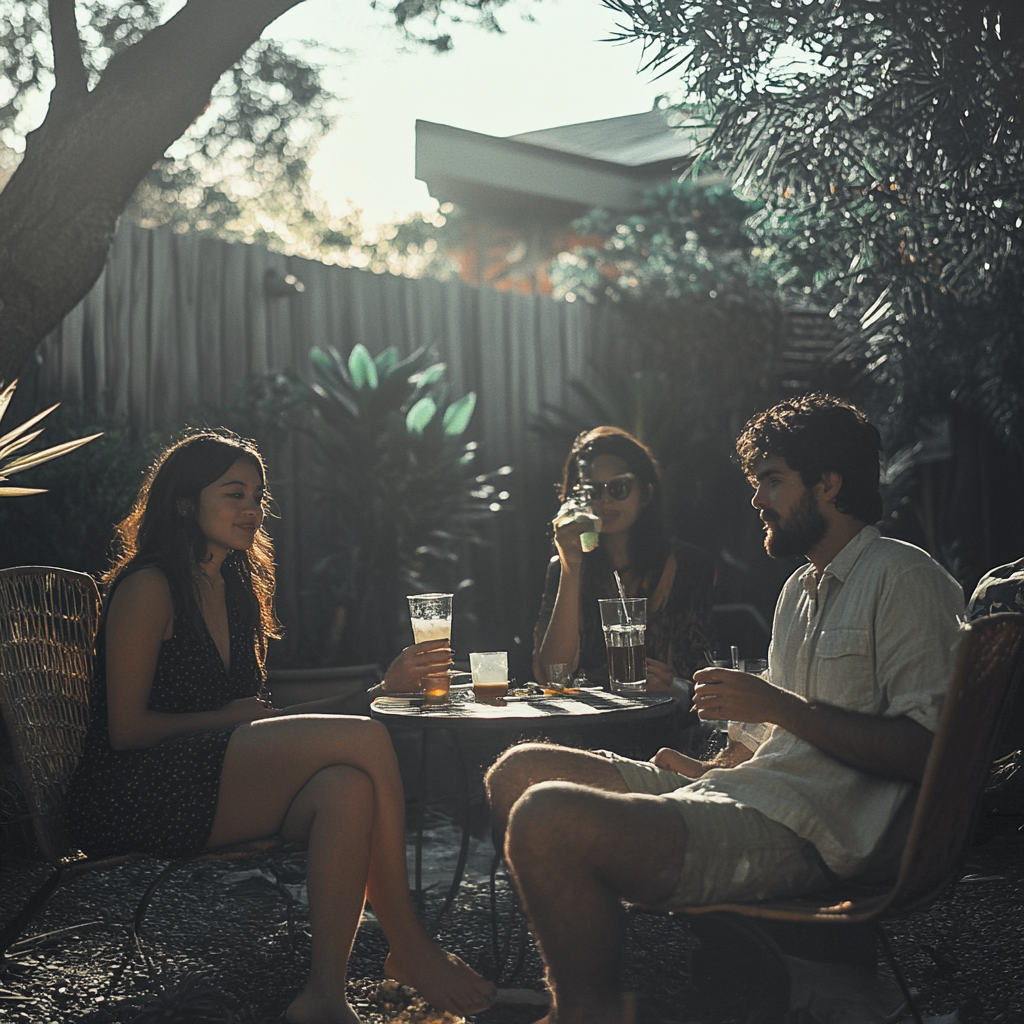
column 894, row 966
column 460, row 865
column 135, row 938
column 517, row 930
column 493, row 890
column 34, row 904
column 421, row 803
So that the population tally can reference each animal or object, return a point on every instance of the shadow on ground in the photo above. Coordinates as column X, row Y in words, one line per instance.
column 229, row 943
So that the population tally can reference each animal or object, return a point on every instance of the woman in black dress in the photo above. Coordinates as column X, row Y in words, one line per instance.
column 182, row 754
column 617, row 477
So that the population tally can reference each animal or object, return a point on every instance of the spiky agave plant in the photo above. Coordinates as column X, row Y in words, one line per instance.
column 21, row 436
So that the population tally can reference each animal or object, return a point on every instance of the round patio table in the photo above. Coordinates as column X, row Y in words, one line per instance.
column 546, row 714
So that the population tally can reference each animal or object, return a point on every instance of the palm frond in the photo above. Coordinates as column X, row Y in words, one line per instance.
column 23, row 435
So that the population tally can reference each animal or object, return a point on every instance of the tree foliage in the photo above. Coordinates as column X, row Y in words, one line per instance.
column 698, row 300
column 242, row 168
column 126, row 83
column 887, row 137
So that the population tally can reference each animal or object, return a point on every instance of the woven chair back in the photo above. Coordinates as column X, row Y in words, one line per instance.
column 988, row 672
column 48, row 621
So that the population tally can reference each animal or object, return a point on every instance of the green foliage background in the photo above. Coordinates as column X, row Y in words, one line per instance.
column 885, row 138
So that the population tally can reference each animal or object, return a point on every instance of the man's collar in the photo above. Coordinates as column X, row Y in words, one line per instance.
column 845, row 560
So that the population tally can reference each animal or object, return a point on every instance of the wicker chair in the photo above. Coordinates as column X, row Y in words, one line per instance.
column 48, row 621
column 988, row 671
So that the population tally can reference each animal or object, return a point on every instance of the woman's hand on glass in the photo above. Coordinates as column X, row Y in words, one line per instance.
column 408, row 671
column 567, row 541
column 659, row 676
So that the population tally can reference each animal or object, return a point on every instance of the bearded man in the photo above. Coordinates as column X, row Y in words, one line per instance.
column 820, row 775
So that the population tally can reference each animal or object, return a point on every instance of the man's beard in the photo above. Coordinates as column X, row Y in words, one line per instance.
column 802, row 529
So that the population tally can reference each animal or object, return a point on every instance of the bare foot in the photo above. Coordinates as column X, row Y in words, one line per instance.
column 445, row 981
column 311, row 1006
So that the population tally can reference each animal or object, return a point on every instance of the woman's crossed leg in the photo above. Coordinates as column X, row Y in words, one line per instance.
column 333, row 782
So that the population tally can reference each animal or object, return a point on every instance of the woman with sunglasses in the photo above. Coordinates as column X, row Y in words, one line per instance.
column 619, row 478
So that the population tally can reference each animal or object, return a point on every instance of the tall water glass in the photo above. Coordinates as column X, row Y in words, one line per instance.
column 431, row 616
column 624, row 621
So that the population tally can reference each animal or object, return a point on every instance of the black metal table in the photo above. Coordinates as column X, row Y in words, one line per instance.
column 516, row 714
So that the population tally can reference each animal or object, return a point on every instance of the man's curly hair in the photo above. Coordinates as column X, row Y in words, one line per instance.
column 818, row 434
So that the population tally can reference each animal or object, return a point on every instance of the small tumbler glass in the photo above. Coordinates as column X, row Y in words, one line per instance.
column 490, row 674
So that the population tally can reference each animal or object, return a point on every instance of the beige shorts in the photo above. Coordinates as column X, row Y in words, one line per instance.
column 734, row 854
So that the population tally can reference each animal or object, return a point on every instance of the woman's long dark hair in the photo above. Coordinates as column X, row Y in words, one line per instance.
column 157, row 533
column 648, row 536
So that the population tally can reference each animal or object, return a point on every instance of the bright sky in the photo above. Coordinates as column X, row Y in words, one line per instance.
column 551, row 72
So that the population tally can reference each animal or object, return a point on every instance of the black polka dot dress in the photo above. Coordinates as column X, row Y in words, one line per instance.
column 161, row 800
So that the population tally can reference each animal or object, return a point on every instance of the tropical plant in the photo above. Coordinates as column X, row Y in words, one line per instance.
column 74, row 524
column 398, row 496
column 21, row 436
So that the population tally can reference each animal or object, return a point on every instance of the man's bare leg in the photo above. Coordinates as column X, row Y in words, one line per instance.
column 575, row 853
column 525, row 765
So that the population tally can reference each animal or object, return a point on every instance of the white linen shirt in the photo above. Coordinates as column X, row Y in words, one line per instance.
column 877, row 634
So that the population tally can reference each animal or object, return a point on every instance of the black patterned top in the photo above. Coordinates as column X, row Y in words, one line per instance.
column 162, row 799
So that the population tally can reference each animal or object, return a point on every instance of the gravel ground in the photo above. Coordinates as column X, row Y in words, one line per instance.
column 222, row 950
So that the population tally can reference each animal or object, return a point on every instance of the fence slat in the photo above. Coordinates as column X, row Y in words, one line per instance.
column 176, row 322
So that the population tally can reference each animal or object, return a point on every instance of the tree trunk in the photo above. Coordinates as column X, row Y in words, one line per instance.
column 59, row 210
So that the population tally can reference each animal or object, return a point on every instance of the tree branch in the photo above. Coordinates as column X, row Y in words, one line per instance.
column 71, row 78
column 59, row 210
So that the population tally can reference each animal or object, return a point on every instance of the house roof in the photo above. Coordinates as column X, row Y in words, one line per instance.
column 556, row 172
column 636, row 140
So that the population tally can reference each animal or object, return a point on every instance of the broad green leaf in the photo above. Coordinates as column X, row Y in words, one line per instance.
column 321, row 360
column 419, row 416
column 362, row 368
column 386, row 362
column 431, row 375
column 458, row 414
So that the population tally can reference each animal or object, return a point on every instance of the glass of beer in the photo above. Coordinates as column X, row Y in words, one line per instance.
column 490, row 674
column 431, row 616
column 624, row 621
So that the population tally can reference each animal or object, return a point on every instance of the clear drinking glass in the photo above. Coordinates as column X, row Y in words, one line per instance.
column 490, row 674
column 557, row 676
column 624, row 621
column 431, row 616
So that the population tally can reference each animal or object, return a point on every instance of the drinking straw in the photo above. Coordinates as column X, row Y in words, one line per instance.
column 622, row 597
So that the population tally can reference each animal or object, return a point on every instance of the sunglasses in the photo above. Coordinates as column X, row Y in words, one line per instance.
column 617, row 489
